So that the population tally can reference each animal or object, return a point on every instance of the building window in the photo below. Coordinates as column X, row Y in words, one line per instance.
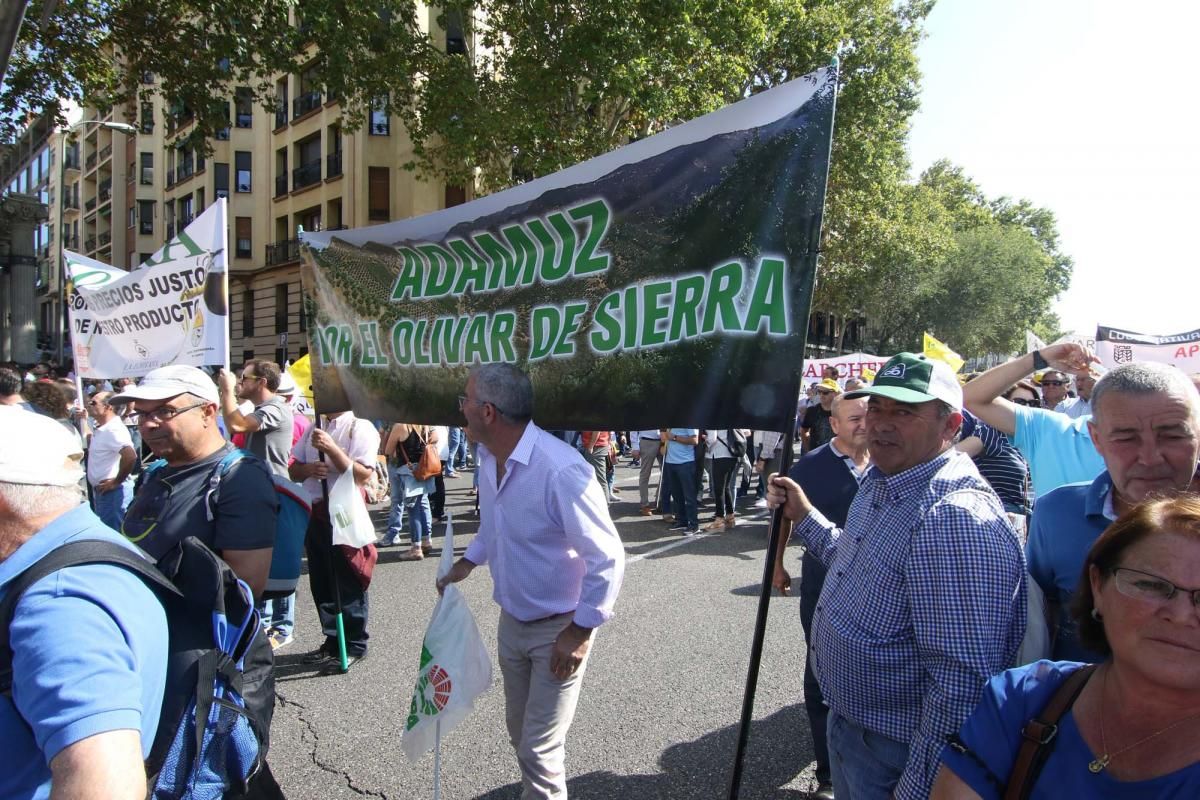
column 242, row 227
column 132, row 216
column 378, row 195
column 455, row 196
column 247, row 355
column 220, row 180
column 147, row 122
column 185, row 211
column 241, row 161
column 281, row 308
column 243, row 107
column 248, row 314
column 380, row 122
column 308, row 162
column 146, row 175
column 146, row 217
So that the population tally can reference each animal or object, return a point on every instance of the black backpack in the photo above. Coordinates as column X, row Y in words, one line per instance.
column 219, row 695
column 735, row 440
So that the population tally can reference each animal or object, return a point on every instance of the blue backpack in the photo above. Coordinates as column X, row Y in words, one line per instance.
column 290, row 525
column 208, row 743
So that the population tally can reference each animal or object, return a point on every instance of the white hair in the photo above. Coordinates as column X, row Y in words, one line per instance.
column 30, row 501
column 1146, row 377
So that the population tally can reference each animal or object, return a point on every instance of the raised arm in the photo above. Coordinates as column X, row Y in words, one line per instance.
column 982, row 395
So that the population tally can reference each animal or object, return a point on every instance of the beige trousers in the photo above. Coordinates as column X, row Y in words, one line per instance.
column 538, row 706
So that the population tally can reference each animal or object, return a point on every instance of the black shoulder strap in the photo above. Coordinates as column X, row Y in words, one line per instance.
column 73, row 554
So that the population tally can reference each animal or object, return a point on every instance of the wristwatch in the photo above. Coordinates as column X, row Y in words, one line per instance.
column 1039, row 363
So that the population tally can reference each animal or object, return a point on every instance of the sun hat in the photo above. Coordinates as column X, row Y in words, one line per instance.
column 286, row 384
column 38, row 451
column 912, row 378
column 831, row 385
column 167, row 382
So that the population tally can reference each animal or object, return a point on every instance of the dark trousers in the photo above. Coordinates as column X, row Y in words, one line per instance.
column 328, row 574
column 437, row 500
column 722, row 485
column 682, row 480
column 812, row 578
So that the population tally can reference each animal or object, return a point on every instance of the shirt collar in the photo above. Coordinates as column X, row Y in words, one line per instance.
column 848, row 461
column 523, row 452
column 1099, row 499
column 913, row 477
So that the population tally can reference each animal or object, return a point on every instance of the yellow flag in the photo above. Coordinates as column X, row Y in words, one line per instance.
column 301, row 372
column 868, row 374
column 938, row 350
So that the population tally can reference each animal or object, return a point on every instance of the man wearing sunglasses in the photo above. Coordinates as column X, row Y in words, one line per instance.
column 1058, row 449
column 1054, row 386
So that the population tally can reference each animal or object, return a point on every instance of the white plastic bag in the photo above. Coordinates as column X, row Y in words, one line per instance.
column 348, row 513
column 455, row 667
column 1036, row 645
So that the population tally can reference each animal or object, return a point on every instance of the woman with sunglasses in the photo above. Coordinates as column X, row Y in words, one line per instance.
column 1024, row 393
column 1130, row 726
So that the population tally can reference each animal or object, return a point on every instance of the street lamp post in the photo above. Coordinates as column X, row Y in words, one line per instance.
column 63, row 320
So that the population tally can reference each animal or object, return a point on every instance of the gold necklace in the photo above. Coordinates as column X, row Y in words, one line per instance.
column 1097, row 765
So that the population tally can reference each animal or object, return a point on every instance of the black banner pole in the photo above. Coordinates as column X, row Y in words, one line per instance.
column 760, row 622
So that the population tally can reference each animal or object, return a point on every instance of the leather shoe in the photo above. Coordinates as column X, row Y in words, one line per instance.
column 824, row 791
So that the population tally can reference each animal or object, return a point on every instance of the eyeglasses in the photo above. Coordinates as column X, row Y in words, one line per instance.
column 1032, row 403
column 825, row 391
column 165, row 413
column 1152, row 588
column 1054, row 383
column 463, row 400
column 251, row 377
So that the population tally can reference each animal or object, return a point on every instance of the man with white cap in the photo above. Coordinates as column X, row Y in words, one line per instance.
column 79, row 711
column 924, row 599
column 177, row 409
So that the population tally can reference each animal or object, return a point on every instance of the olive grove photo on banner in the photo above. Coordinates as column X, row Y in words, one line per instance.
column 665, row 283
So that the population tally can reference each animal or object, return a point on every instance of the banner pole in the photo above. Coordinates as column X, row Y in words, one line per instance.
column 764, row 595
column 760, row 621
column 225, row 283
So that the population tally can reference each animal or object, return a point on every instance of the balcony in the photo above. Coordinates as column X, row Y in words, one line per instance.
column 72, row 160
column 105, row 152
column 170, row 177
column 333, row 165
column 90, row 205
column 170, row 231
column 105, row 190
column 70, row 243
column 281, row 185
column 306, row 175
column 105, row 238
column 185, row 171
column 89, row 244
column 71, row 204
column 91, row 161
column 305, row 103
column 185, row 220
column 283, row 252
column 281, row 118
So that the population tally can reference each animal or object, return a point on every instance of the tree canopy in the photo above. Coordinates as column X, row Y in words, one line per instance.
column 533, row 86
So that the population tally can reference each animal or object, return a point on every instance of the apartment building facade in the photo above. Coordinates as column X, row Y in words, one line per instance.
column 118, row 195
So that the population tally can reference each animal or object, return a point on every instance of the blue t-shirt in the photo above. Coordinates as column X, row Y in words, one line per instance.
column 89, row 656
column 993, row 734
column 1064, row 525
column 1059, row 449
column 679, row 453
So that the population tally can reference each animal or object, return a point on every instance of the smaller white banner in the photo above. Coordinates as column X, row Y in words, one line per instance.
column 848, row 366
column 1115, row 347
column 172, row 310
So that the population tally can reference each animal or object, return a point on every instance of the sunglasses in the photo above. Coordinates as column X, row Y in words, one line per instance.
column 1021, row 401
column 1054, row 383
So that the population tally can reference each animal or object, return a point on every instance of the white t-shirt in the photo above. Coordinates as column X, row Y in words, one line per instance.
column 357, row 437
column 443, row 442
column 104, row 453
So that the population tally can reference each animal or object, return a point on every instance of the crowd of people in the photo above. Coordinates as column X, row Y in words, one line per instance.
column 998, row 585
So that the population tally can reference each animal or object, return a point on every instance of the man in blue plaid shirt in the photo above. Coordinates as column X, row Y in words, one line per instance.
column 925, row 595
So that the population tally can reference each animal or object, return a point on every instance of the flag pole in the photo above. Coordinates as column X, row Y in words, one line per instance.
column 764, row 596
column 437, row 761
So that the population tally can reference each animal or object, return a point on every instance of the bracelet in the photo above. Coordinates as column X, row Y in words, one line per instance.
column 1039, row 363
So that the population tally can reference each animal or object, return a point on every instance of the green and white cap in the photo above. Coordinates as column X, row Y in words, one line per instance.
column 912, row 378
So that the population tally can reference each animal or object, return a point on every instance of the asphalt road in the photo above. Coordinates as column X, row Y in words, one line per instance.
column 658, row 715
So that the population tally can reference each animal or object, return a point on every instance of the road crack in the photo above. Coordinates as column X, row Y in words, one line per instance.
column 313, row 737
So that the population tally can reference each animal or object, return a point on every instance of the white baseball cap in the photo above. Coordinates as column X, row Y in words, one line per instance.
column 36, row 450
column 167, row 382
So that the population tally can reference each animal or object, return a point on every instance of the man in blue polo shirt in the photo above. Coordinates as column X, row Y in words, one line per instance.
column 1059, row 449
column 679, row 473
column 1146, row 425
column 89, row 643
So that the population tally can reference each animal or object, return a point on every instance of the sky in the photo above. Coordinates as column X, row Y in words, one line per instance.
column 1088, row 108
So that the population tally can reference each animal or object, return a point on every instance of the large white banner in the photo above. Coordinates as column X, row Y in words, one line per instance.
column 174, row 309
column 1115, row 347
column 850, row 365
